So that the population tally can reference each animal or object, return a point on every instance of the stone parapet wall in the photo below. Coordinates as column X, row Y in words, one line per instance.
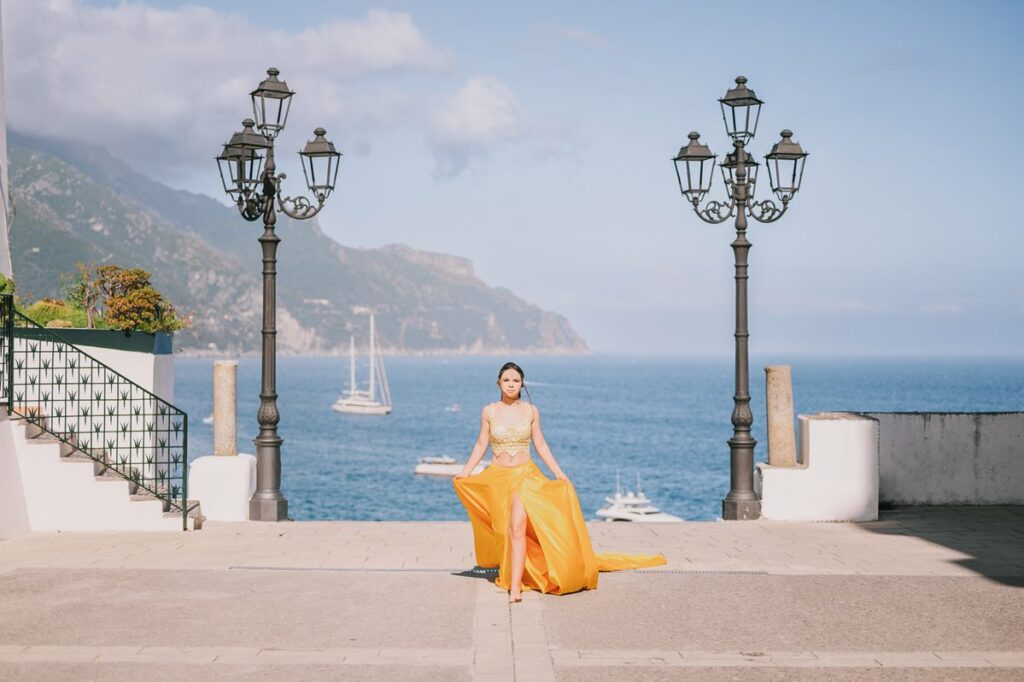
column 950, row 457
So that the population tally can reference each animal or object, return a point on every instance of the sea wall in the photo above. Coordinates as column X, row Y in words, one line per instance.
column 950, row 457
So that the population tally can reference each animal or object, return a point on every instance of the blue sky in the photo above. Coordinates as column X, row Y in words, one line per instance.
column 535, row 139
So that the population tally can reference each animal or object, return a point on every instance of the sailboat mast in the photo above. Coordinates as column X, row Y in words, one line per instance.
column 352, row 364
column 373, row 362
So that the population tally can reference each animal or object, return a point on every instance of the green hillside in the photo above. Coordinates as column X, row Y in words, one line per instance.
column 75, row 203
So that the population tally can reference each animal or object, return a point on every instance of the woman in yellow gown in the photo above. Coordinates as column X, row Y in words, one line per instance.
column 528, row 525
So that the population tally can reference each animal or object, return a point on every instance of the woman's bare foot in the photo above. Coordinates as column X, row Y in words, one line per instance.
column 514, row 597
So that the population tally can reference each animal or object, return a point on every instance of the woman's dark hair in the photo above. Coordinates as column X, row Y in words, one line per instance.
column 522, row 375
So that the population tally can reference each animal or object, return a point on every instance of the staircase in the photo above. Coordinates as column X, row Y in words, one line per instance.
column 94, row 450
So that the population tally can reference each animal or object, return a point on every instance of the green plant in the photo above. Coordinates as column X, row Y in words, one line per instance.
column 54, row 313
column 47, row 310
column 83, row 291
column 132, row 303
column 7, row 286
column 108, row 296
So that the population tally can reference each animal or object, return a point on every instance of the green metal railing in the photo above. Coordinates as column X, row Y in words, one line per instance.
column 104, row 415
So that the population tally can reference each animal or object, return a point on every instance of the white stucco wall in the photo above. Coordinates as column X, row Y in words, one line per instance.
column 223, row 485
column 837, row 478
column 59, row 494
column 155, row 373
column 13, row 512
column 950, row 457
column 41, row 491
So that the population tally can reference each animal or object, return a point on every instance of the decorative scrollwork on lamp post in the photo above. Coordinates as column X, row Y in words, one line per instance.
column 695, row 163
column 249, row 175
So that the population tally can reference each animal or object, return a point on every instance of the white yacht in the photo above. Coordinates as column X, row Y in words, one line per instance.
column 635, row 507
column 356, row 400
column 442, row 466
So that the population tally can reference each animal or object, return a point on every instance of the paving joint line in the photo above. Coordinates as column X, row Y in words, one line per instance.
column 476, row 571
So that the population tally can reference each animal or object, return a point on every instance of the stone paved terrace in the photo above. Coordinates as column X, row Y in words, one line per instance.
column 922, row 594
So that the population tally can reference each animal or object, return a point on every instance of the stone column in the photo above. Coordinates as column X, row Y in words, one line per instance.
column 224, row 408
column 781, row 438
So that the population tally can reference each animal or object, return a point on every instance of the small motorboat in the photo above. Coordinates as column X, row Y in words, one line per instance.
column 454, row 407
column 635, row 507
column 442, row 466
column 209, row 419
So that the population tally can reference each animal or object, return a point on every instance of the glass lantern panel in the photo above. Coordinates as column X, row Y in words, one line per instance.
column 774, row 173
column 729, row 178
column 333, row 174
column 752, row 179
column 245, row 169
column 240, row 171
column 226, row 179
column 741, row 121
column 271, row 113
column 321, row 171
column 785, row 175
column 701, row 172
column 695, row 176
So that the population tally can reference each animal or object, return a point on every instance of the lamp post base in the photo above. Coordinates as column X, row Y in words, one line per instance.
column 741, row 510
column 274, row 509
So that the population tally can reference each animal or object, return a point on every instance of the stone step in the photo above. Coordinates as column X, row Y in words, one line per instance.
column 195, row 514
column 77, row 456
column 36, row 434
column 33, row 429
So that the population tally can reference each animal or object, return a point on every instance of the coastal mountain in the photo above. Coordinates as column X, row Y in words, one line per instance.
column 75, row 202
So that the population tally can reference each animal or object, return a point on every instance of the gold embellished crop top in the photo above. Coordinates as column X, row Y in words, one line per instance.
column 511, row 440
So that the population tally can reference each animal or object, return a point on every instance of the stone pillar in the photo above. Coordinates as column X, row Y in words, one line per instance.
column 781, row 438
column 223, row 482
column 224, row 408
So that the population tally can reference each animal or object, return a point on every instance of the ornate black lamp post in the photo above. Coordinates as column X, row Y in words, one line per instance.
column 249, row 175
column 695, row 166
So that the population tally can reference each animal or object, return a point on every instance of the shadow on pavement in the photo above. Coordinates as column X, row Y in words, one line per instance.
column 489, row 574
column 991, row 536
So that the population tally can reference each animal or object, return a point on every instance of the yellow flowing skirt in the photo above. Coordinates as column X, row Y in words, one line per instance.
column 559, row 557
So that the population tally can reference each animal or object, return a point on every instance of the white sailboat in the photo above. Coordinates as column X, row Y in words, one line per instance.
column 358, row 401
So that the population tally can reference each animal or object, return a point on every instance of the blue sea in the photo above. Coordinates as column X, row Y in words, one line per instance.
column 666, row 419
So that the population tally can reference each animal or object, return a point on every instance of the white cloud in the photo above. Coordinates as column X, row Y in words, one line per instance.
column 484, row 109
column 483, row 114
column 166, row 87
column 485, row 117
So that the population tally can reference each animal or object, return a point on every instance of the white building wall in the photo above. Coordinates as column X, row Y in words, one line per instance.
column 13, row 512
column 64, row 495
column 42, row 491
column 153, row 372
column 951, row 458
column 6, row 207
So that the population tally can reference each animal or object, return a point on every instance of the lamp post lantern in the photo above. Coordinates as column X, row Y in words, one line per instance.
column 741, row 111
column 249, row 175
